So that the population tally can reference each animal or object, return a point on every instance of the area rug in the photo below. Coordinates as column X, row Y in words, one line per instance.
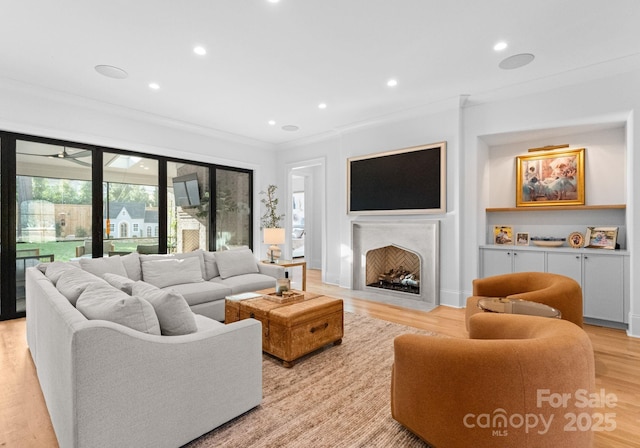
column 336, row 397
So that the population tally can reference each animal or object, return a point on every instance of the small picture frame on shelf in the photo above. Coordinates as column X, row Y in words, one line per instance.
column 576, row 240
column 601, row 237
column 522, row 239
column 503, row 235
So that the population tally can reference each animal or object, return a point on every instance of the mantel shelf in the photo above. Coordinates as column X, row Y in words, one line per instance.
column 557, row 208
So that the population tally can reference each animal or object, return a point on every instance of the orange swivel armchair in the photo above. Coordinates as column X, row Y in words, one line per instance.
column 557, row 291
column 515, row 382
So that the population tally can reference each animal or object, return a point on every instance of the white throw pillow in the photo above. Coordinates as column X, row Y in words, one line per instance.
column 101, row 266
column 124, row 284
column 173, row 312
column 210, row 266
column 131, row 264
column 73, row 282
column 56, row 269
column 236, row 262
column 171, row 271
column 104, row 302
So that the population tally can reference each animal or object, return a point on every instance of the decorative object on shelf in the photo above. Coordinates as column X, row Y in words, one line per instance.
column 601, row 237
column 270, row 222
column 547, row 241
column 503, row 235
column 548, row 178
column 576, row 240
column 522, row 239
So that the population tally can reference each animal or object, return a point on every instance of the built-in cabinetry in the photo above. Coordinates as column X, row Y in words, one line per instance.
column 603, row 275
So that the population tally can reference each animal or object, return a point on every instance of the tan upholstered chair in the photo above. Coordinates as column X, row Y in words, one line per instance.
column 470, row 392
column 557, row 291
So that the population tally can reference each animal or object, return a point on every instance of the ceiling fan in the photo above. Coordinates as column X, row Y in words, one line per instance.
column 65, row 155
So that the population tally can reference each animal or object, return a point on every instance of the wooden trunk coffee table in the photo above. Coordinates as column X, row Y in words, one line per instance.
column 292, row 330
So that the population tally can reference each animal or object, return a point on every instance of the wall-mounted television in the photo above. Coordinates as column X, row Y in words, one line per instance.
column 186, row 190
column 404, row 181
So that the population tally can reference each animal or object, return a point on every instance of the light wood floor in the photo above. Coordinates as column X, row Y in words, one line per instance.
column 24, row 420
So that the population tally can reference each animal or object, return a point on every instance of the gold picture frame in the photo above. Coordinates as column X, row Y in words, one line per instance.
column 550, row 178
column 503, row 235
column 601, row 237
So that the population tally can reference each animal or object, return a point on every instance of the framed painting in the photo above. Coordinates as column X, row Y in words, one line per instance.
column 601, row 237
column 549, row 178
column 503, row 235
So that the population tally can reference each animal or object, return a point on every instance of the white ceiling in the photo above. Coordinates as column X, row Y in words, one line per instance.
column 277, row 62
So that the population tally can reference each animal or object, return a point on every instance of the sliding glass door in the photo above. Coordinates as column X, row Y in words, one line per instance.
column 53, row 205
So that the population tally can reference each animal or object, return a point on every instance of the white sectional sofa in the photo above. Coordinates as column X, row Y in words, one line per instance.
column 111, row 374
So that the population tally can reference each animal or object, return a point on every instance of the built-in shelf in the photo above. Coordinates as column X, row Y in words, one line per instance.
column 557, row 208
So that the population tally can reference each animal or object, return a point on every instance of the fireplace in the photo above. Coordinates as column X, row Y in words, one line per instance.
column 397, row 262
column 393, row 268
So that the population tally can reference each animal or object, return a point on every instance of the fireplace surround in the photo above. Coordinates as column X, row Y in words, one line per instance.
column 417, row 239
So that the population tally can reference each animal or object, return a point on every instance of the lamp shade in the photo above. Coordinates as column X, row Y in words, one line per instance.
column 273, row 236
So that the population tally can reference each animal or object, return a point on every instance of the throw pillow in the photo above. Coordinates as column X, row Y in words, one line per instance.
column 131, row 264
column 101, row 266
column 73, row 282
column 173, row 312
column 210, row 266
column 236, row 262
column 199, row 254
column 104, row 302
column 171, row 271
column 55, row 270
column 124, row 284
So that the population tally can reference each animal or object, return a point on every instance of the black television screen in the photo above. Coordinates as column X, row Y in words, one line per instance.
column 410, row 180
column 186, row 191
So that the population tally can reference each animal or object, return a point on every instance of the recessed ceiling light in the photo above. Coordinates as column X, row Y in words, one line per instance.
column 516, row 61
column 290, row 127
column 154, row 86
column 322, row 105
column 111, row 72
column 500, row 46
column 274, row 1
column 200, row 51
column 392, row 82
column 272, row 122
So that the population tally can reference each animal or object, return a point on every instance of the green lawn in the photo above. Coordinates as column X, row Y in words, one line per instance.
column 66, row 250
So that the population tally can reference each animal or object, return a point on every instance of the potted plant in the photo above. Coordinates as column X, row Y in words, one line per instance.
column 273, row 234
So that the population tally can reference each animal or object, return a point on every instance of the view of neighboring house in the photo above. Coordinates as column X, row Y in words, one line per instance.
column 130, row 220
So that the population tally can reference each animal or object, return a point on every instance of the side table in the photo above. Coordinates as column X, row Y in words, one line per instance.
column 290, row 264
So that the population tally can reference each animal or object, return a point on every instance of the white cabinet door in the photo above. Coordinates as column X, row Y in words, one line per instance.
column 495, row 262
column 565, row 263
column 603, row 287
column 524, row 261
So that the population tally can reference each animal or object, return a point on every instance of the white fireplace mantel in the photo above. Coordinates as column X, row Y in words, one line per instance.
column 418, row 236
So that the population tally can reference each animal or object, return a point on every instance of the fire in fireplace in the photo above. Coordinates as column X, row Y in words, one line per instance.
column 393, row 268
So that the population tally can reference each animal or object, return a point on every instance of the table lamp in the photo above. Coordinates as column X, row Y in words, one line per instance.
column 274, row 236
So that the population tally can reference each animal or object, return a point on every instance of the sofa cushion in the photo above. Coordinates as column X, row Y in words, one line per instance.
column 73, row 282
column 236, row 262
column 246, row 282
column 210, row 266
column 171, row 271
column 124, row 284
column 199, row 254
column 102, row 301
column 55, row 270
column 196, row 293
column 101, row 266
column 204, row 323
column 173, row 312
column 131, row 264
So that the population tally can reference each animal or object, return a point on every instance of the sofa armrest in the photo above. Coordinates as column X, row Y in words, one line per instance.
column 272, row 270
column 127, row 379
